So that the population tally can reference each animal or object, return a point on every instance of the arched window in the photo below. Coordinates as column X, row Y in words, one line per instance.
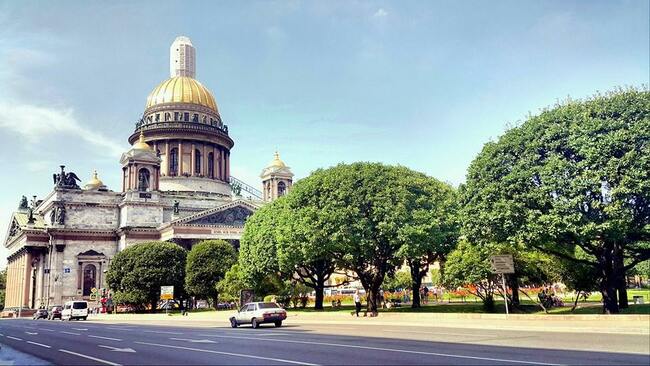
column 143, row 179
column 173, row 162
column 211, row 165
column 197, row 161
column 89, row 279
column 282, row 189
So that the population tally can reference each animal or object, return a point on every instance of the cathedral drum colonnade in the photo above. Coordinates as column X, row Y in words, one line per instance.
column 175, row 186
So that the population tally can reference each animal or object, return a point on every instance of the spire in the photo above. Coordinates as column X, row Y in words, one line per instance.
column 182, row 55
column 141, row 144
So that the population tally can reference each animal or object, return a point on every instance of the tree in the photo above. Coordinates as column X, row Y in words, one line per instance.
column 276, row 241
column 400, row 280
column 577, row 175
column 433, row 227
column 361, row 214
column 139, row 270
column 231, row 284
column 207, row 263
column 3, row 288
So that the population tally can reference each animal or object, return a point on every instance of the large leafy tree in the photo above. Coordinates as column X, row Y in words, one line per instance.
column 138, row 271
column 207, row 263
column 577, row 175
column 432, row 229
column 278, row 241
column 361, row 215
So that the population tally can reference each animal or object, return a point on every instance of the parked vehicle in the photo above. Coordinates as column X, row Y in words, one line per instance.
column 75, row 310
column 256, row 313
column 40, row 314
column 55, row 312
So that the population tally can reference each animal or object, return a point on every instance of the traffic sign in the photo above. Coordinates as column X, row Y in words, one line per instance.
column 502, row 263
column 166, row 292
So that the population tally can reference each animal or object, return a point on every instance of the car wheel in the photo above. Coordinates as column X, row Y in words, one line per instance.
column 85, row 318
column 254, row 323
column 278, row 323
column 233, row 323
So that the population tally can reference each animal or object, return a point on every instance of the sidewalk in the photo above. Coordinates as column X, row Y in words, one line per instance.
column 618, row 324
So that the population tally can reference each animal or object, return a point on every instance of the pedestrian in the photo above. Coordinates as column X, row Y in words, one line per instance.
column 425, row 291
column 357, row 302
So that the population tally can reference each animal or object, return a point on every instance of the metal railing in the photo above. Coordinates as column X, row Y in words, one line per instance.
column 247, row 188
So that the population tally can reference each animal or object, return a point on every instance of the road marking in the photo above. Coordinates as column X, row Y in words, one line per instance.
column 90, row 357
column 100, row 337
column 48, row 330
column 16, row 338
column 193, row 340
column 229, row 354
column 31, row 333
column 39, row 344
column 116, row 349
column 73, row 333
column 161, row 332
column 397, row 350
column 80, row 329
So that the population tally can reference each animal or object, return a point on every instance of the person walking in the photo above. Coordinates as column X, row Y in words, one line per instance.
column 357, row 302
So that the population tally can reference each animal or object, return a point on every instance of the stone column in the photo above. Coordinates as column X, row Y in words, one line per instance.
column 193, row 160
column 180, row 158
column 165, row 167
column 227, row 162
column 27, row 279
column 204, row 163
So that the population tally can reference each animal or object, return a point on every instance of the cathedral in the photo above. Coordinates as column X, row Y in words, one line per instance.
column 176, row 186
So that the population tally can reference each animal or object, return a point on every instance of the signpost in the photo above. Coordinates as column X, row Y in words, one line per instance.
column 503, row 264
column 166, row 293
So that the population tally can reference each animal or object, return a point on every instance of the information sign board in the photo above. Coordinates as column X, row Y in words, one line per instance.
column 502, row 263
column 166, row 292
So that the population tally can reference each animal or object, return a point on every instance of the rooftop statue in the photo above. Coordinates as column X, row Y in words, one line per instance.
column 66, row 180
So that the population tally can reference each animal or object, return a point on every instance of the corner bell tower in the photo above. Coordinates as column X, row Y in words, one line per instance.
column 277, row 179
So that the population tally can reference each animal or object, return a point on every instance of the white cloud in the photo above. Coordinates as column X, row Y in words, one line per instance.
column 34, row 123
column 380, row 13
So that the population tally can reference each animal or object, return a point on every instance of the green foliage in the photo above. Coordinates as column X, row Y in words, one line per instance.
column 400, row 280
column 469, row 266
column 231, row 284
column 138, row 271
column 436, row 277
column 575, row 175
column 3, row 286
column 207, row 263
column 258, row 247
column 642, row 269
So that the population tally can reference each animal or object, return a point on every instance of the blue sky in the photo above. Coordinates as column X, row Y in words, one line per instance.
column 423, row 84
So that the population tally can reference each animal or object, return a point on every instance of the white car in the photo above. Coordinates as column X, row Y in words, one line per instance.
column 256, row 313
column 75, row 310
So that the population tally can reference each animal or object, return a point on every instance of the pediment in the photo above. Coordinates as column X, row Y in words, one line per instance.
column 232, row 214
column 90, row 252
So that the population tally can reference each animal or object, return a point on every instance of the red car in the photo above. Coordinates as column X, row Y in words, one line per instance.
column 55, row 313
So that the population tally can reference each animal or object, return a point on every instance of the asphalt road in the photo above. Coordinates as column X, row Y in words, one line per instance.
column 90, row 343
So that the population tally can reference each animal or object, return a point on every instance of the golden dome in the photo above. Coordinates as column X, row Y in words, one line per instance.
column 141, row 145
column 94, row 182
column 181, row 89
column 277, row 162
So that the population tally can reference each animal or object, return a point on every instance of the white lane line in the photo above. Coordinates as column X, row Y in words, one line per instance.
column 48, row 330
column 90, row 357
column 229, row 354
column 15, row 338
column 84, row 329
column 73, row 333
column 161, row 332
column 193, row 340
column 31, row 333
column 100, row 337
column 39, row 344
column 397, row 350
column 116, row 349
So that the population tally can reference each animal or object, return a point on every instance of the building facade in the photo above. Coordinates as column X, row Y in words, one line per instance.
column 175, row 186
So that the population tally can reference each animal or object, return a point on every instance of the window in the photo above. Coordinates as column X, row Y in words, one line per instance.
column 210, row 165
column 186, row 116
column 251, row 307
column 81, row 304
column 143, row 179
column 90, row 272
column 269, row 305
column 173, row 161
column 197, row 161
column 282, row 189
column 167, row 116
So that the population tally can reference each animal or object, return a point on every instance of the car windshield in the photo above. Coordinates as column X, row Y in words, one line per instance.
column 79, row 305
column 268, row 305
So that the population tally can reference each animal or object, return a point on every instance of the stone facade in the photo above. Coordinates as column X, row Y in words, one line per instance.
column 175, row 187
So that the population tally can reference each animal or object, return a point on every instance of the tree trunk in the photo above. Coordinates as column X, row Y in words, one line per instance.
column 621, row 283
column 372, row 296
column 319, row 289
column 416, row 282
column 608, row 282
column 215, row 302
column 154, row 302
column 513, row 283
